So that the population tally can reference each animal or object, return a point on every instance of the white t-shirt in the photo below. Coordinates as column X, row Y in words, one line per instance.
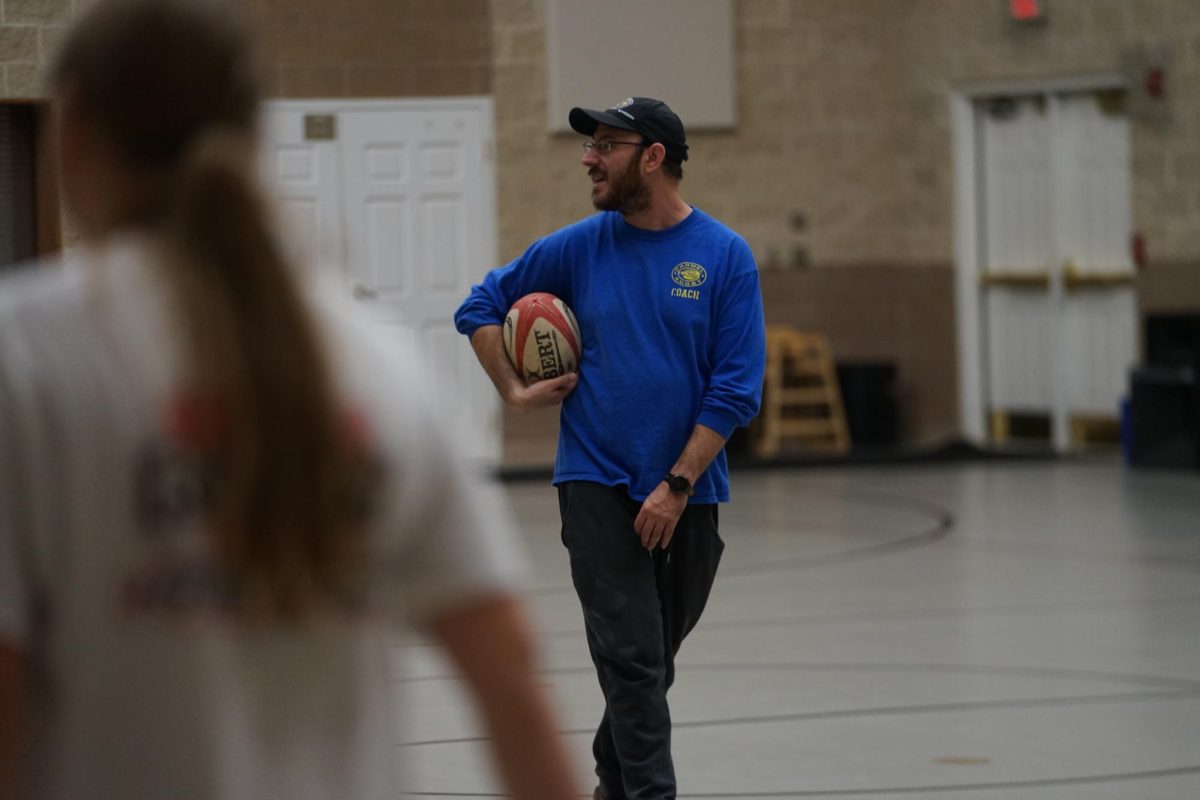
column 151, row 692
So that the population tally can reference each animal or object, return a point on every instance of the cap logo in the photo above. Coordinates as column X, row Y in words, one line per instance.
column 626, row 103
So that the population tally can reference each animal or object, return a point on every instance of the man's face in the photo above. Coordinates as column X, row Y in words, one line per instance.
column 617, row 182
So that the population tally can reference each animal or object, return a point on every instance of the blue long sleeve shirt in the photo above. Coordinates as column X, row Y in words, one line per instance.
column 672, row 329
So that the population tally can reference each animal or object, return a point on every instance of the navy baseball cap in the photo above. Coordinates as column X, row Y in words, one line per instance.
column 643, row 115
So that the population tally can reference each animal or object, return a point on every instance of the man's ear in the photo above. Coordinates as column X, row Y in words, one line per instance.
column 655, row 154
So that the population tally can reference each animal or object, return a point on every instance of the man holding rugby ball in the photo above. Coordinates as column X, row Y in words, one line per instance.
column 671, row 323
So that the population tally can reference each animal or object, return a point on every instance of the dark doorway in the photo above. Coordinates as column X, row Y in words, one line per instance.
column 30, row 221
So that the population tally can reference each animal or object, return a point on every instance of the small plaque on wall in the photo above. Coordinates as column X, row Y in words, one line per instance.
column 680, row 51
column 320, row 127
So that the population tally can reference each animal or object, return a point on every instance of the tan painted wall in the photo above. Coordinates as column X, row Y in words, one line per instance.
column 844, row 120
column 376, row 48
column 28, row 32
column 843, row 105
column 311, row 48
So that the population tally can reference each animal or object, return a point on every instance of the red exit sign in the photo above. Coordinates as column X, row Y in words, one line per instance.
column 1027, row 10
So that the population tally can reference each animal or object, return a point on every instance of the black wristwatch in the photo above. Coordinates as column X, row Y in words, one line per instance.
column 679, row 484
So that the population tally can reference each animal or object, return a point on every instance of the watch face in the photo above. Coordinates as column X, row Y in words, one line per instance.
column 678, row 483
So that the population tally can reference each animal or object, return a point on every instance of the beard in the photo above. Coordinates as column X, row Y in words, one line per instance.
column 627, row 191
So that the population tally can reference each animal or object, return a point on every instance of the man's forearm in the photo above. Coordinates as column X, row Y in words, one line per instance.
column 701, row 448
column 660, row 511
column 488, row 343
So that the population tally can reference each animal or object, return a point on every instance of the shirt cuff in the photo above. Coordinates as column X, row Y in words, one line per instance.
column 723, row 424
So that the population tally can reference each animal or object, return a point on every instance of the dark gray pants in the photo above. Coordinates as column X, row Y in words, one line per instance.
column 638, row 605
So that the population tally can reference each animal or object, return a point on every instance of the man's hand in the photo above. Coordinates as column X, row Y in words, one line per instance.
column 488, row 342
column 549, row 392
column 655, row 523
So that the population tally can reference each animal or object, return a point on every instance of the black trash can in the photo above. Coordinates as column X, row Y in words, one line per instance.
column 1164, row 413
column 869, row 397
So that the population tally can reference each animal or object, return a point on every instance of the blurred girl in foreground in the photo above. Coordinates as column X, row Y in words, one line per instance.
column 215, row 491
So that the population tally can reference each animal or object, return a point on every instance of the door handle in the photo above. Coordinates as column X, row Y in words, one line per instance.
column 1074, row 278
column 361, row 292
column 1015, row 279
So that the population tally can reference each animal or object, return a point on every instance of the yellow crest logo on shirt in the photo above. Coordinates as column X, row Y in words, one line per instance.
column 689, row 274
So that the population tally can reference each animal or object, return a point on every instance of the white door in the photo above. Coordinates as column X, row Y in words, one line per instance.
column 1057, row 320
column 1094, row 228
column 1018, row 254
column 304, row 175
column 396, row 199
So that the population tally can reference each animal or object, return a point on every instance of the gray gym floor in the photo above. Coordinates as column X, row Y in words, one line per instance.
column 977, row 631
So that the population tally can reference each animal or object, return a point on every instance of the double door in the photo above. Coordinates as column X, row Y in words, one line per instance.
column 395, row 201
column 1053, row 268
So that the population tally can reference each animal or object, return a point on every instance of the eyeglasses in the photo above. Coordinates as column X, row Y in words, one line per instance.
column 604, row 146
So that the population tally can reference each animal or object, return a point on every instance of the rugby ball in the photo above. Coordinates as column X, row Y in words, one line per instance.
column 541, row 337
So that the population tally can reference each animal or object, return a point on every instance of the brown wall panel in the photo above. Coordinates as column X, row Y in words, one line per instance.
column 1169, row 286
column 902, row 314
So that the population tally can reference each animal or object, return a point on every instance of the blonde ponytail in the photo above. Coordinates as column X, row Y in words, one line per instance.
column 172, row 86
column 280, row 517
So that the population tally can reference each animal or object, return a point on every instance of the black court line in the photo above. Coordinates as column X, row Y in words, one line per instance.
column 1162, row 689
column 1075, row 780
column 798, row 620
column 1039, row 550
column 1131, row 678
column 1061, row 673
column 1009, row 610
column 942, row 523
column 879, row 711
column 940, row 520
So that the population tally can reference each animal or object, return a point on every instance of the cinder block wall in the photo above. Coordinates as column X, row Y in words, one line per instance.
column 311, row 48
column 376, row 48
column 968, row 42
column 842, row 157
column 28, row 32
column 842, row 154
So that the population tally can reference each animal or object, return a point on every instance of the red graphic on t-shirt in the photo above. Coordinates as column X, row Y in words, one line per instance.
column 177, row 485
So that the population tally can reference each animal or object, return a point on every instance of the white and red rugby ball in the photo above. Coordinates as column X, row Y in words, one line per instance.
column 541, row 337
